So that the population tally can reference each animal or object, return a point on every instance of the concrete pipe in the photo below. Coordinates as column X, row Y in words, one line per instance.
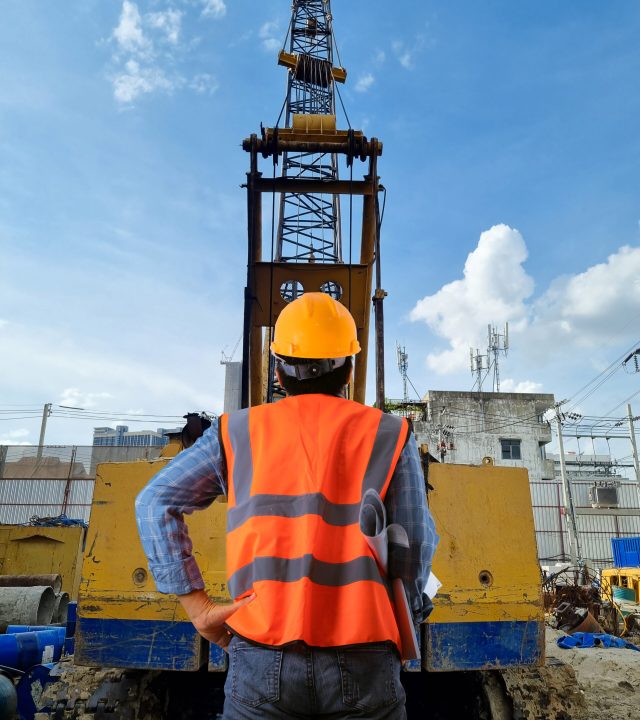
column 61, row 608
column 26, row 606
column 54, row 581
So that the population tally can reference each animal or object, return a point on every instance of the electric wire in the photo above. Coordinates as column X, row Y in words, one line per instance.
column 608, row 371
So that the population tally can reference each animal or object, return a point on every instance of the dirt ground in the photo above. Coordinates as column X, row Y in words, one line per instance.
column 609, row 678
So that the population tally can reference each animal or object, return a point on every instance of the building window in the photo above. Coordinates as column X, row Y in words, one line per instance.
column 510, row 449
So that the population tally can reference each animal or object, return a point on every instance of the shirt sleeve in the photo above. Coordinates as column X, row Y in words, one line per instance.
column 406, row 504
column 191, row 481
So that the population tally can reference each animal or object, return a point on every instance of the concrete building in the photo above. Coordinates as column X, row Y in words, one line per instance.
column 121, row 436
column 464, row 427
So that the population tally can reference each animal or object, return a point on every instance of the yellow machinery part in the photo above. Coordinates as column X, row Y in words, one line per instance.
column 628, row 577
column 115, row 580
column 486, row 560
column 43, row 551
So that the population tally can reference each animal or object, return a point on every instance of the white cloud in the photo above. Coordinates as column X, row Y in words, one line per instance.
column 269, row 35
column 494, row 288
column 169, row 22
column 406, row 52
column 365, row 82
column 129, row 34
column 589, row 309
column 379, row 58
column 73, row 397
column 525, row 386
column 15, row 437
column 592, row 306
column 3, row 323
column 214, row 8
column 149, row 53
column 203, row 83
column 136, row 80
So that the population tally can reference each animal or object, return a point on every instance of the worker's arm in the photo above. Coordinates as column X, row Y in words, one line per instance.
column 191, row 481
column 406, row 504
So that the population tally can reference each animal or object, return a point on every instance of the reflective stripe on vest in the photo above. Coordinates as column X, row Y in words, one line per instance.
column 292, row 546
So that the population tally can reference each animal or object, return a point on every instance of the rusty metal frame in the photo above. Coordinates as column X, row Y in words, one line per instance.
column 262, row 297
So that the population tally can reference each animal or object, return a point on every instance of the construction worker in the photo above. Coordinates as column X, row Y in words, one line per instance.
column 312, row 631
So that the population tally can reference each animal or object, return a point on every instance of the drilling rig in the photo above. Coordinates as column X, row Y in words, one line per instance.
column 137, row 656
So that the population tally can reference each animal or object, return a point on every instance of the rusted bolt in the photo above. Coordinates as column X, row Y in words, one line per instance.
column 139, row 576
column 486, row 578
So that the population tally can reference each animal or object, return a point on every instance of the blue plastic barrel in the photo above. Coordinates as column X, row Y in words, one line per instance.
column 60, row 632
column 35, row 628
column 22, row 650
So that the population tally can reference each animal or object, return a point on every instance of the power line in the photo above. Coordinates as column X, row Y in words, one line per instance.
column 611, row 369
column 113, row 413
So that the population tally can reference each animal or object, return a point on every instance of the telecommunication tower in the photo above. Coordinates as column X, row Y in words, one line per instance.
column 309, row 224
column 482, row 365
column 403, row 367
column 498, row 343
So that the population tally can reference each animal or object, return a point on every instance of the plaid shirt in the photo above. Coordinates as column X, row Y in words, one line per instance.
column 197, row 476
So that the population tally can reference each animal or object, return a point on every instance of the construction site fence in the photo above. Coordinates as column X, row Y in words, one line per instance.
column 596, row 526
column 53, row 480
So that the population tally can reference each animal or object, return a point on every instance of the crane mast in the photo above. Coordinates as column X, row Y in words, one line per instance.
column 309, row 225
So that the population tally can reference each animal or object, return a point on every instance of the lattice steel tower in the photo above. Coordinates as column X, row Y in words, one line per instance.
column 309, row 224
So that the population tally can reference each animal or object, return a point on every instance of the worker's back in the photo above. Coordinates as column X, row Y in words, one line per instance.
column 297, row 472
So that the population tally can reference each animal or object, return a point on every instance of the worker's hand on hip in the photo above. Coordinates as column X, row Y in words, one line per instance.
column 208, row 618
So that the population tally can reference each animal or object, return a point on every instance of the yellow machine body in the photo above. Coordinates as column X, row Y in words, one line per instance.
column 122, row 620
column 625, row 577
column 488, row 613
column 32, row 550
column 489, row 610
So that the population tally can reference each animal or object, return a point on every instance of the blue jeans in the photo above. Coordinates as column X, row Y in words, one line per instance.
column 305, row 682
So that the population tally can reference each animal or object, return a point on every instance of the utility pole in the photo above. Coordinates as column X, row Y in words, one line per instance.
column 569, row 508
column 43, row 426
column 634, row 447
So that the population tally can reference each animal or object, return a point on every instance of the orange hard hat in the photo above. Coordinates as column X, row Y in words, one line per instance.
column 315, row 326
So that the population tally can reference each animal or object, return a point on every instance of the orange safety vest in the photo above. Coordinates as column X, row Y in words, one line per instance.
column 297, row 472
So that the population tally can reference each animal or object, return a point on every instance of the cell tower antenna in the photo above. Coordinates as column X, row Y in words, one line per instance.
column 498, row 343
column 403, row 367
column 479, row 366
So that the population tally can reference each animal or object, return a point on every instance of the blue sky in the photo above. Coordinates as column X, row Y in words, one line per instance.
column 512, row 163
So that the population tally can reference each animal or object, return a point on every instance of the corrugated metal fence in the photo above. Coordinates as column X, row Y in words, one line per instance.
column 595, row 530
column 55, row 480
